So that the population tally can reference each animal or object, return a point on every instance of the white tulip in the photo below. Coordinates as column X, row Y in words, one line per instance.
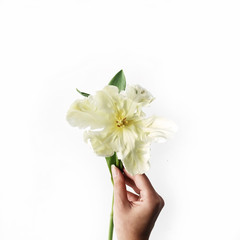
column 117, row 124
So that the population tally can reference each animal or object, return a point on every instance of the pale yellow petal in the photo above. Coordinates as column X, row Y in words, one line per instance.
column 127, row 138
column 103, row 142
column 137, row 161
column 107, row 99
column 83, row 113
column 139, row 94
column 158, row 128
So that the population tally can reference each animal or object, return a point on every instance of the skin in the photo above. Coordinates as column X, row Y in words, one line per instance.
column 134, row 214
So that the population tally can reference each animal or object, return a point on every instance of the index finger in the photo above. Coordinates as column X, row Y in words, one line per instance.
column 143, row 184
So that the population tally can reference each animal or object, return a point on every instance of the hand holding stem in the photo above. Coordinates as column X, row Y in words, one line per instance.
column 134, row 214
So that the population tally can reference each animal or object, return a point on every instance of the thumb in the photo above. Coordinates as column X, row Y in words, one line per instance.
column 120, row 193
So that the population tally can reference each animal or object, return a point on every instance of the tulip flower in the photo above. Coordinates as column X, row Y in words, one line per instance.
column 116, row 125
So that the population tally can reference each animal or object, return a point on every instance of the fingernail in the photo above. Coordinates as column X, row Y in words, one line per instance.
column 114, row 171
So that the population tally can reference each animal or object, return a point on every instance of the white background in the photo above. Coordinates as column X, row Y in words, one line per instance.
column 187, row 53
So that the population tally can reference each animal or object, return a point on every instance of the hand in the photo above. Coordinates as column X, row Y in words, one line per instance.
column 134, row 214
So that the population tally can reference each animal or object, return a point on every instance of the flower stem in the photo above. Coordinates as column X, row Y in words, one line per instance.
column 110, row 233
column 118, row 163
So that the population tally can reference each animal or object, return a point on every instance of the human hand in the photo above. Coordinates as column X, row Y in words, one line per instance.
column 134, row 214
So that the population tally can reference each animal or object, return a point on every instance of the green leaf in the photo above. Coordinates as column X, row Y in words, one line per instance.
column 119, row 81
column 83, row 93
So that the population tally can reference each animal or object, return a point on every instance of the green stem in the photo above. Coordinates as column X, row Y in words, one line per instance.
column 112, row 160
column 110, row 233
column 117, row 163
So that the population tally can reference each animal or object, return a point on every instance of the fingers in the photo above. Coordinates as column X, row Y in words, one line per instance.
column 131, row 184
column 132, row 197
column 141, row 183
column 120, row 193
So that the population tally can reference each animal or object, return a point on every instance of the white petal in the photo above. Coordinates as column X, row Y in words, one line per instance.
column 158, row 128
column 139, row 94
column 127, row 138
column 104, row 143
column 137, row 161
column 83, row 113
column 99, row 147
column 107, row 99
column 132, row 108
